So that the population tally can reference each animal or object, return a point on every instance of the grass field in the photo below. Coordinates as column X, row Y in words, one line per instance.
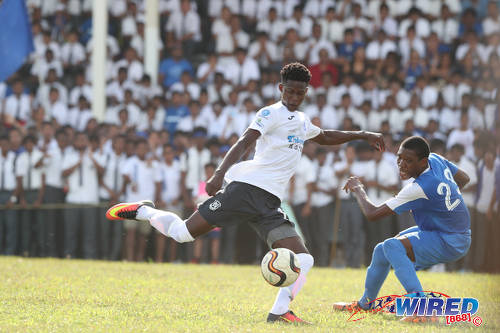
column 49, row 295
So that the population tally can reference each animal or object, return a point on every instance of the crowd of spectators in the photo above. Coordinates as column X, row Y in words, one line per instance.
column 426, row 67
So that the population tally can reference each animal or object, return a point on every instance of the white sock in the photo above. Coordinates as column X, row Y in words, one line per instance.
column 144, row 213
column 287, row 294
column 170, row 225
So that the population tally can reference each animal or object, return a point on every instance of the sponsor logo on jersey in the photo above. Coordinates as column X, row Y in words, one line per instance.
column 214, row 205
column 265, row 113
column 291, row 117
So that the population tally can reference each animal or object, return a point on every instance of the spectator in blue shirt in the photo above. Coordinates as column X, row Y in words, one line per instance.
column 470, row 22
column 172, row 68
column 175, row 112
column 349, row 45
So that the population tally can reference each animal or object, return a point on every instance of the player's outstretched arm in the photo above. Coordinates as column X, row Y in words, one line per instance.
column 333, row 137
column 370, row 211
column 233, row 155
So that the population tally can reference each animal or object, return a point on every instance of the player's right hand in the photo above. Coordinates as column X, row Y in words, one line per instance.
column 214, row 184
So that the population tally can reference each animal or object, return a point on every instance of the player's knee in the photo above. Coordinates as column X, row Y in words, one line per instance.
column 306, row 261
column 180, row 233
column 378, row 249
column 393, row 245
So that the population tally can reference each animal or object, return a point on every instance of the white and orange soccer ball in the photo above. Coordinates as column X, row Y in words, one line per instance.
column 280, row 267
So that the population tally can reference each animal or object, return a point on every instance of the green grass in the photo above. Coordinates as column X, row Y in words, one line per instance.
column 49, row 295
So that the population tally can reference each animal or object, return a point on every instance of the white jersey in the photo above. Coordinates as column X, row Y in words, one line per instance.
column 278, row 149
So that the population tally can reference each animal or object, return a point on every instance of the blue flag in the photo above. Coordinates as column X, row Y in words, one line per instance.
column 16, row 40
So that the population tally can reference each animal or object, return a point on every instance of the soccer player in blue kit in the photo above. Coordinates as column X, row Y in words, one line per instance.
column 442, row 233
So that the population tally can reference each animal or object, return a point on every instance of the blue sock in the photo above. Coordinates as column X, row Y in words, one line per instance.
column 375, row 275
column 404, row 269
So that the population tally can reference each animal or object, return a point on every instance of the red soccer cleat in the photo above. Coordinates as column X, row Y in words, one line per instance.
column 349, row 307
column 127, row 211
column 287, row 317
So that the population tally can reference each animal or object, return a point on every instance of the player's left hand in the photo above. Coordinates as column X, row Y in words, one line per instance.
column 352, row 183
column 376, row 140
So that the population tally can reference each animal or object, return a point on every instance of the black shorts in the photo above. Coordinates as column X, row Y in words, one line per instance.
column 241, row 202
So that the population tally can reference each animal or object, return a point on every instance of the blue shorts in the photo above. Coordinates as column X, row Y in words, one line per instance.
column 434, row 247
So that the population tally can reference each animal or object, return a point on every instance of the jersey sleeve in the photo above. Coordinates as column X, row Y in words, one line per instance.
column 410, row 197
column 264, row 121
column 311, row 129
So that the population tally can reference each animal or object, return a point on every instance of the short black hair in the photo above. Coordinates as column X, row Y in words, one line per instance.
column 295, row 71
column 418, row 145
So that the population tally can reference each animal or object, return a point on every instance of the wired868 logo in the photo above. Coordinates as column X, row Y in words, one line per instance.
column 426, row 303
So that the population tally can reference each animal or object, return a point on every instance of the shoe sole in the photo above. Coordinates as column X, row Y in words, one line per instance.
column 111, row 212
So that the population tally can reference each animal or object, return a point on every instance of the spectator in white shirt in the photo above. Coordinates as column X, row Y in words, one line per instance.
column 140, row 176
column 116, row 89
column 192, row 164
column 215, row 7
column 472, row 46
column 18, row 105
column 316, row 8
column 273, row 25
column 446, row 26
column 72, row 52
column 316, row 44
column 302, row 24
column 221, row 33
column 218, row 121
column 81, row 88
column 463, row 135
column 54, row 194
column 415, row 18
column 378, row 48
column 264, row 51
column 361, row 26
column 301, row 188
column 385, row 22
column 348, row 86
column 169, row 194
column 184, row 26
column 194, row 119
column 491, row 24
column 427, row 91
column 322, row 203
column 331, row 26
column 112, row 191
column 42, row 66
column 135, row 69
column 81, row 168
column 47, row 44
column 128, row 22
column 381, row 187
column 292, row 49
column 186, row 84
column 448, row 118
column 206, row 70
column 57, row 110
column 411, row 42
column 30, row 175
column 79, row 116
column 455, row 89
column 242, row 69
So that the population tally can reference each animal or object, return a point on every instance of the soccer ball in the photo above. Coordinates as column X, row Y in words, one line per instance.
column 280, row 267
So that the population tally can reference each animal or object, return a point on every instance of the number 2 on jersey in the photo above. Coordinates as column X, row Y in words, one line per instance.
column 444, row 189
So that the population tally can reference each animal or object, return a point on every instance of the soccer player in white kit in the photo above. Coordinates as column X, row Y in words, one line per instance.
column 257, row 186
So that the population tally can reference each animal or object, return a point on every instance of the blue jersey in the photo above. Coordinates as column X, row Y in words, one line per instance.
column 434, row 199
